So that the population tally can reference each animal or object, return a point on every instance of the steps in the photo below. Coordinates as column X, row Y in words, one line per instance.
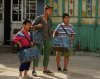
column 7, row 48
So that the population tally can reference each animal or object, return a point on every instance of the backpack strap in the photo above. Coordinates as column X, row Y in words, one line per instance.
column 65, row 30
column 27, row 38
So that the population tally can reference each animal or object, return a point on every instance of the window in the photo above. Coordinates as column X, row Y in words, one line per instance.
column 29, row 10
column 16, row 10
column 23, row 9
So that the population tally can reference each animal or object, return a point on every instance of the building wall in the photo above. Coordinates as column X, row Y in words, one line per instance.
column 85, row 16
column 25, row 12
column 16, row 20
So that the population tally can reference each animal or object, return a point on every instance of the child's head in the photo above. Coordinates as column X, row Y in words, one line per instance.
column 48, row 9
column 66, row 18
column 27, row 24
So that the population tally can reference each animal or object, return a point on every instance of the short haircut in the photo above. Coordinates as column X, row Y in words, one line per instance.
column 26, row 21
column 64, row 15
column 48, row 6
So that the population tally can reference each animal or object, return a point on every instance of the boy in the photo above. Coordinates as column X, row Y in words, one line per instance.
column 44, row 24
column 23, row 43
column 61, row 30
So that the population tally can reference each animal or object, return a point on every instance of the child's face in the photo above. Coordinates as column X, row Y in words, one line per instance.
column 66, row 20
column 48, row 11
column 27, row 26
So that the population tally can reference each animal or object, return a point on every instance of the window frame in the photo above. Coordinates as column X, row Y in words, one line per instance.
column 22, row 10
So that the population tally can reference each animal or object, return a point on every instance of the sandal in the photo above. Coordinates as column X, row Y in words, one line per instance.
column 48, row 71
column 59, row 69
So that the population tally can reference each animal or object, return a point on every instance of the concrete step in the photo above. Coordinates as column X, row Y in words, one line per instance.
column 7, row 48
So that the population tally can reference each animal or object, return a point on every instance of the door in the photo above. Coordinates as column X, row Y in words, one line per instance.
column 97, row 39
column 88, row 24
column 84, row 17
column 7, row 21
column 20, row 10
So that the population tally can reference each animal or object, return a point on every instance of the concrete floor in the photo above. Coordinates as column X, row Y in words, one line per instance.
column 80, row 67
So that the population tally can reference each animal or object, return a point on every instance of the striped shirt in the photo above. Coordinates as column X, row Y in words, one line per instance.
column 69, row 29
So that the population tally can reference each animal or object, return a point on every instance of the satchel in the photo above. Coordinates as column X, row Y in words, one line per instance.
column 28, row 54
column 60, row 43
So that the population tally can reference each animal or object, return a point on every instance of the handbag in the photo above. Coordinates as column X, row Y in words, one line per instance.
column 28, row 54
column 61, row 43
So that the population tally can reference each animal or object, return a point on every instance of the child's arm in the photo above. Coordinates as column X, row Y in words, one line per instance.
column 39, row 26
column 16, row 40
column 19, row 44
column 55, row 33
column 37, row 23
column 72, row 37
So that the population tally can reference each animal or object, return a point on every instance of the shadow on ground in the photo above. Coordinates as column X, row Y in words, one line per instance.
column 9, row 60
column 8, row 77
column 73, row 75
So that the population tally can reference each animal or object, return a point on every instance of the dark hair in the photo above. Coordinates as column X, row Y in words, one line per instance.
column 47, row 6
column 26, row 21
column 64, row 15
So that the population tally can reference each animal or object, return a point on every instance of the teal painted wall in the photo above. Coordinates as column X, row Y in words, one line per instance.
column 86, row 23
column 87, row 37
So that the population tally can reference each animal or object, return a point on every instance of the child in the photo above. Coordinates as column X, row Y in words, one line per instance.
column 43, row 24
column 23, row 43
column 61, row 30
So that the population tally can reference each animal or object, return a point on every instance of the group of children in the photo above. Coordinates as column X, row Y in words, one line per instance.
column 45, row 25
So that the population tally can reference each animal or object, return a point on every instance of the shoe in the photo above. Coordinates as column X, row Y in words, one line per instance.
column 59, row 69
column 65, row 70
column 48, row 71
column 34, row 73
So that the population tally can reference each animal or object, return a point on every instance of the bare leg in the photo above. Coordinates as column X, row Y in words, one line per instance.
column 58, row 60
column 45, row 69
column 20, row 73
column 66, row 61
column 33, row 68
column 25, row 73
